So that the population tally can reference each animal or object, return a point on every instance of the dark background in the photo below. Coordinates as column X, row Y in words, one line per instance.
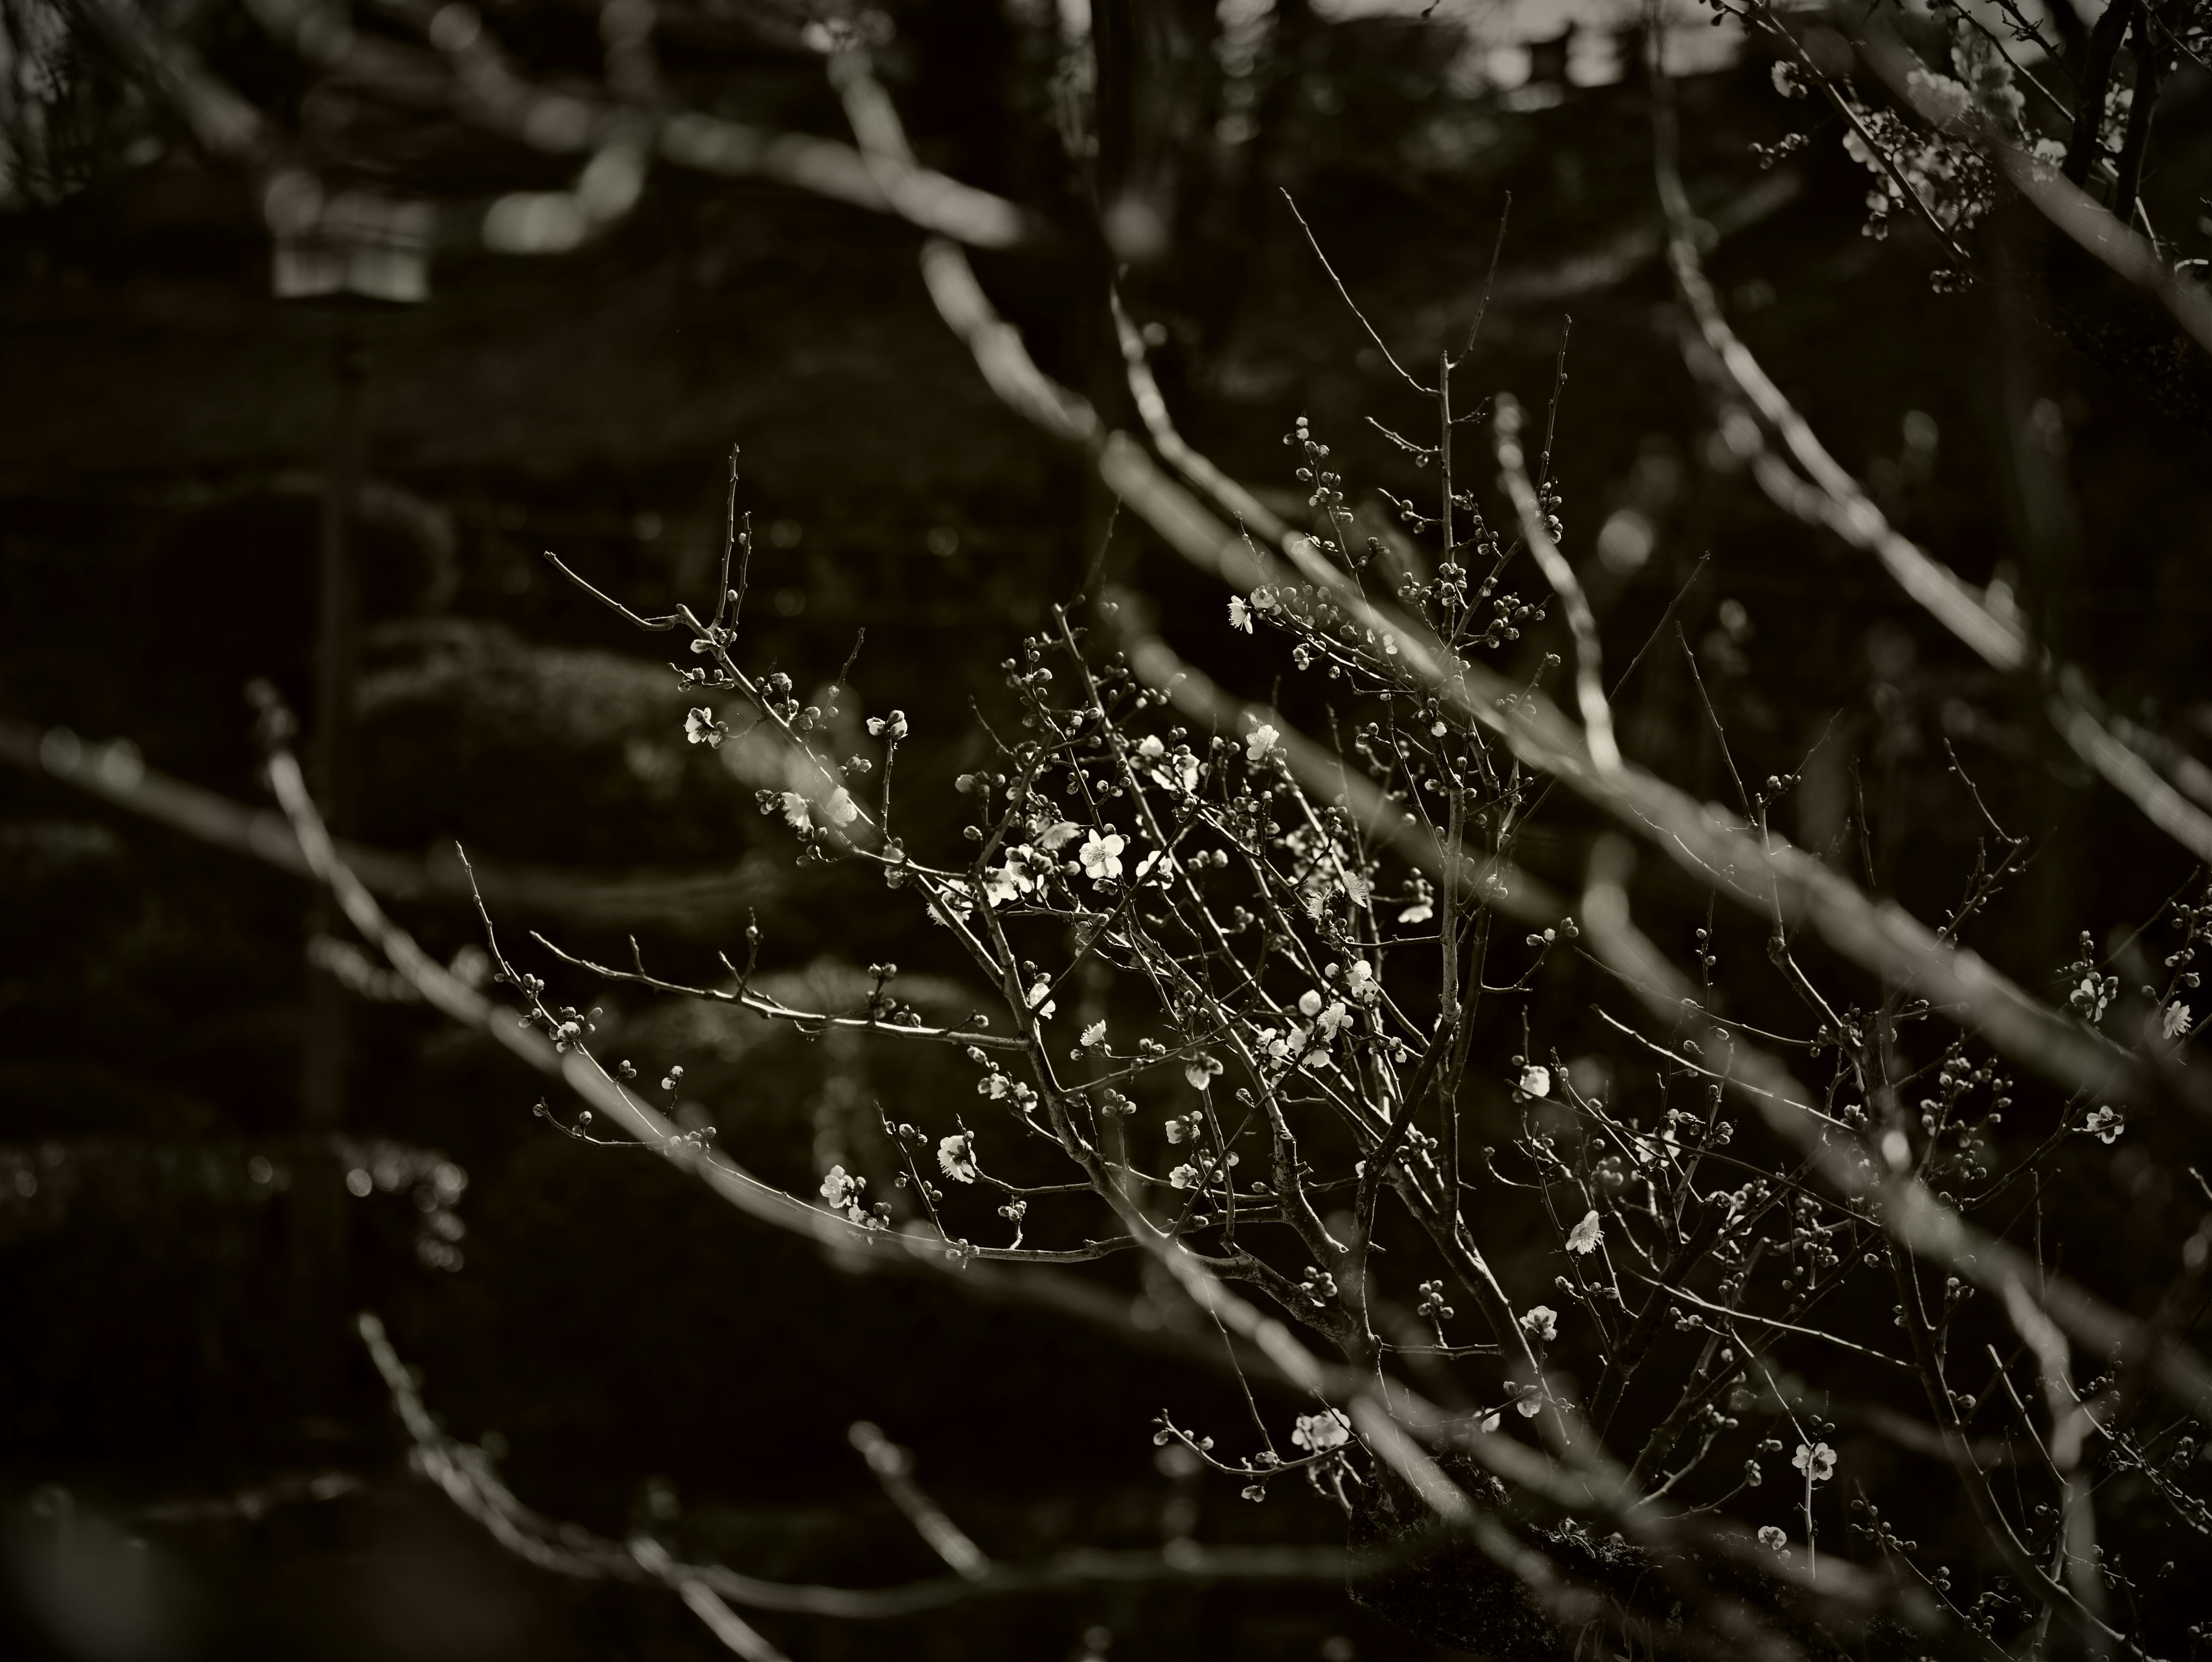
column 166, row 422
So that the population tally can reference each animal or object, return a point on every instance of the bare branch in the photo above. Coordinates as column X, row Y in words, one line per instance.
column 1835, row 500
column 691, row 903
column 1404, row 374
column 1906, row 1210
column 1589, row 674
column 894, row 1470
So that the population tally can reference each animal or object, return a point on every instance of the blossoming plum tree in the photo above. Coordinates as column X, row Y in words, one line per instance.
column 1284, row 1023
column 1271, row 1078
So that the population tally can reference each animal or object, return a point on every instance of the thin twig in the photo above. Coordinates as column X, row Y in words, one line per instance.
column 1403, row 373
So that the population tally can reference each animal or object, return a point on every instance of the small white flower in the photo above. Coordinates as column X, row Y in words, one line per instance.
column 1008, row 882
column 1490, row 1423
column 700, row 728
column 1772, row 1537
column 1816, row 1460
column 1420, row 912
column 1017, row 878
column 1332, row 1021
column 1240, row 615
column 1184, row 1177
column 1151, row 747
column 1536, row 1081
column 840, row 1186
column 1102, row 856
column 1583, row 1237
column 2176, row 1018
column 1359, row 981
column 954, row 902
column 2105, row 1125
column 892, row 726
column 1200, row 1070
column 1309, row 1003
column 1542, row 1321
column 794, row 810
column 1262, row 742
column 1943, row 98
column 1038, row 1001
column 1529, row 1406
column 839, row 808
column 955, row 1158
column 1094, row 1034
column 1318, row 1431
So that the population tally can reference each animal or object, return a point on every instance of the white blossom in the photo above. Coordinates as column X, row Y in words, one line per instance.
column 1102, row 856
column 1176, row 771
column 956, row 1157
column 700, row 728
column 1535, row 1081
column 1240, row 615
column 2105, row 1125
column 999, row 1088
column 1038, row 999
column 1541, row 1322
column 1944, row 100
column 2176, row 1018
column 1359, row 982
column 1816, row 1460
column 839, row 808
column 794, row 810
column 1320, row 1432
column 839, row 1187
column 1017, row 878
column 1200, row 1070
column 1094, row 1034
column 1583, row 1237
column 1184, row 1177
column 1158, row 860
column 1262, row 742
column 1772, row 1537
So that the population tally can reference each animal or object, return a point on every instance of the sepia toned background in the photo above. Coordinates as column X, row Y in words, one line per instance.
column 224, row 1131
